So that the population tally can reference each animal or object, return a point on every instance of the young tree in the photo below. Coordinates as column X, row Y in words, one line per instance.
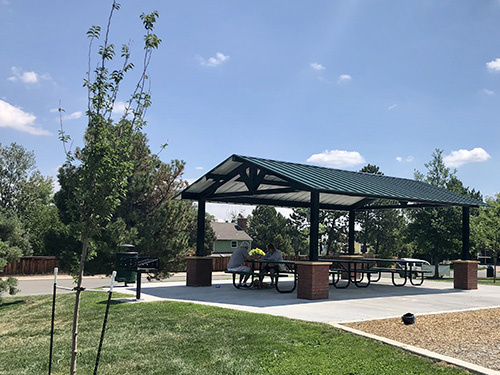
column 100, row 170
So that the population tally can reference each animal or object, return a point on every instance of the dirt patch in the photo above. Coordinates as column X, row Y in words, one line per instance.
column 472, row 336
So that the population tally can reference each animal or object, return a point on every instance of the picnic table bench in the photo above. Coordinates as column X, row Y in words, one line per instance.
column 361, row 272
column 289, row 269
column 347, row 269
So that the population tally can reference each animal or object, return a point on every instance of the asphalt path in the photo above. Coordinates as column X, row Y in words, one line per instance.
column 44, row 284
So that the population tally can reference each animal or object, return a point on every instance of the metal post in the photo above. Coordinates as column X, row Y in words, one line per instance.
column 465, row 233
column 314, row 230
column 52, row 320
column 138, row 286
column 200, row 233
column 110, row 293
column 352, row 217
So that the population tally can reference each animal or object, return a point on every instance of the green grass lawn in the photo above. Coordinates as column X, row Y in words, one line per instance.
column 183, row 338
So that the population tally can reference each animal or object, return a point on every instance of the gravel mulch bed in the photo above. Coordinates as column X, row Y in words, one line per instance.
column 472, row 336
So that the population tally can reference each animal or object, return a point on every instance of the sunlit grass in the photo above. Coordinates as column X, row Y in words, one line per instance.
column 183, row 338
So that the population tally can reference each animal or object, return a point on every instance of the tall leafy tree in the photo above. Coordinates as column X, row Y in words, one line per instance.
column 14, row 242
column 486, row 228
column 25, row 201
column 100, row 170
column 332, row 233
column 383, row 230
column 437, row 231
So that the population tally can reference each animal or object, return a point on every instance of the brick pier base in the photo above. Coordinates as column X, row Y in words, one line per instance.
column 199, row 271
column 465, row 274
column 313, row 280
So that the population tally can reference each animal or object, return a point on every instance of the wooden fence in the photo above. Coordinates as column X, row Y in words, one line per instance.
column 35, row 265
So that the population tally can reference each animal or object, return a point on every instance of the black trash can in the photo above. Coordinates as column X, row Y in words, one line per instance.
column 489, row 271
column 408, row 319
column 124, row 263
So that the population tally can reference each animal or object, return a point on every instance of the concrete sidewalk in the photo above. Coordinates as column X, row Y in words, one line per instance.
column 379, row 300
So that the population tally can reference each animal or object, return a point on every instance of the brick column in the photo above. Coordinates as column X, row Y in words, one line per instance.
column 313, row 280
column 465, row 274
column 199, row 271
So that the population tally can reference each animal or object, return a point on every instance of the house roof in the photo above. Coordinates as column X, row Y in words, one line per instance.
column 230, row 231
column 256, row 181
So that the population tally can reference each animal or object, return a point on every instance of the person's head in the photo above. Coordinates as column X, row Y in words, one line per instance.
column 271, row 248
column 245, row 245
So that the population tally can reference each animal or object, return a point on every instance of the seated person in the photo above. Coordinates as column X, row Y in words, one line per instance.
column 274, row 255
column 239, row 256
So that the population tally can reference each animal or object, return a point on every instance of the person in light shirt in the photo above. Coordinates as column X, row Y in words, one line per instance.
column 272, row 254
column 239, row 256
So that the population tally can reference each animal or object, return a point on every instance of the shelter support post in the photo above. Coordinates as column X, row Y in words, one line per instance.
column 465, row 233
column 200, row 232
column 199, row 267
column 199, row 271
column 352, row 217
column 314, row 230
column 465, row 274
column 313, row 282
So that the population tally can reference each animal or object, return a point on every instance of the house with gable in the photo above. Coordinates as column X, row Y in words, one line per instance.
column 229, row 236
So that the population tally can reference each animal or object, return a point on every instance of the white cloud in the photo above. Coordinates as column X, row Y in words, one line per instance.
column 15, row 118
column 408, row 159
column 317, row 66
column 493, row 66
column 461, row 157
column 488, row 92
column 73, row 116
column 119, row 107
column 212, row 62
column 344, row 78
column 27, row 77
column 199, row 168
column 392, row 107
column 337, row 158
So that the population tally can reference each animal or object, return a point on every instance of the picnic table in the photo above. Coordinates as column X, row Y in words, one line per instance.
column 363, row 271
column 287, row 268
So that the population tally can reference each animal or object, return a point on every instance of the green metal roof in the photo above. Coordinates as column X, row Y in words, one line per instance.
column 250, row 180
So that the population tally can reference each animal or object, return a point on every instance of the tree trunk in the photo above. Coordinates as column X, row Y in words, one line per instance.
column 436, row 270
column 76, row 313
column 495, row 259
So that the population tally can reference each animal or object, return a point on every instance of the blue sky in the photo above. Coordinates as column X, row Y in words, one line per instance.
column 333, row 83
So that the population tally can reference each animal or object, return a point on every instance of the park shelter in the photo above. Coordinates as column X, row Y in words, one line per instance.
column 255, row 181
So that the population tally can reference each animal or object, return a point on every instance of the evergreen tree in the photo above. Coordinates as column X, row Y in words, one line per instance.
column 266, row 225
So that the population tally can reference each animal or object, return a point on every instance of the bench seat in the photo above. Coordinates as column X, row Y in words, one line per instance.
column 255, row 274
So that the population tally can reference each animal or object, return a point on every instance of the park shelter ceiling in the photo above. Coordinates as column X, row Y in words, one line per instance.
column 248, row 180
